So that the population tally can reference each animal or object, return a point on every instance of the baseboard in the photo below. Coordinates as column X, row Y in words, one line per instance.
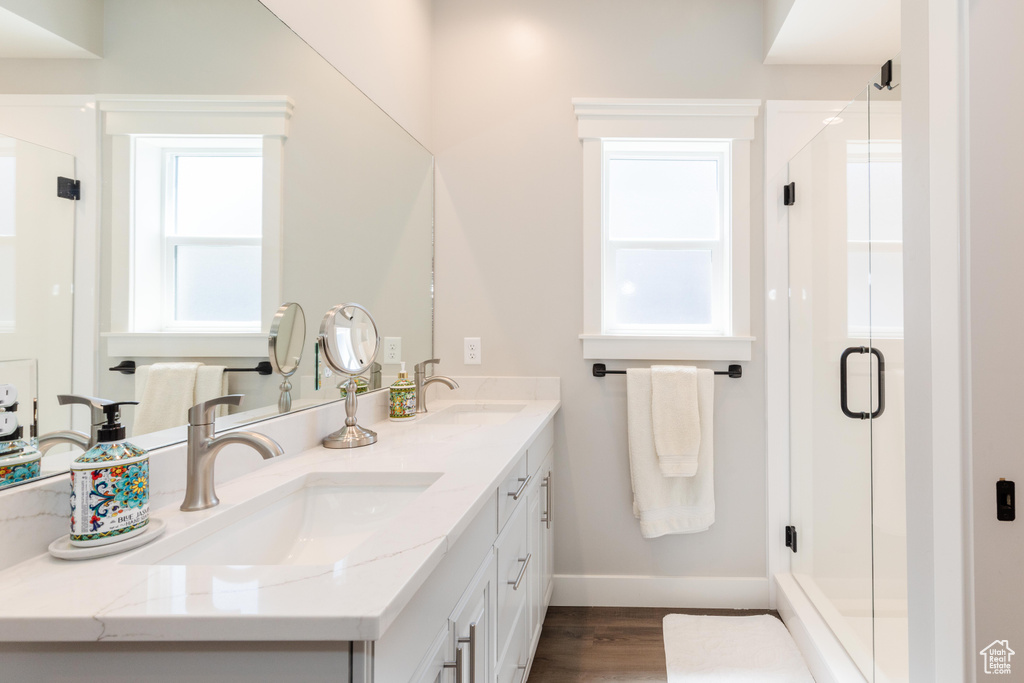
column 822, row 651
column 698, row 592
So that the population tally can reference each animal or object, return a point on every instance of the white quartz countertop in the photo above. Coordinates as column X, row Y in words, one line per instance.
column 357, row 598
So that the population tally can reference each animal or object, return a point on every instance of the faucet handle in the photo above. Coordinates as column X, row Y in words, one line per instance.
column 422, row 367
column 203, row 413
column 96, row 405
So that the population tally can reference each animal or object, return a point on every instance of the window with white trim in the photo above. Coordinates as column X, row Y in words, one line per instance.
column 666, row 228
column 197, row 221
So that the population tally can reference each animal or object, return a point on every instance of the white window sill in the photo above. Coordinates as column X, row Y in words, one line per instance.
column 187, row 344
column 636, row 347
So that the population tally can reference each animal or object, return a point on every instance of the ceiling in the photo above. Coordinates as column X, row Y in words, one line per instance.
column 831, row 31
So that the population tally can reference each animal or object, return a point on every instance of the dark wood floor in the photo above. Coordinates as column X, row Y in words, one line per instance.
column 603, row 644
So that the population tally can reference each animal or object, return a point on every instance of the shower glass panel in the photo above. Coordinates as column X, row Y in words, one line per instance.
column 848, row 498
column 829, row 314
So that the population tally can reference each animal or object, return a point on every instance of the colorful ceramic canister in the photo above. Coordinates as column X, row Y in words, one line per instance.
column 19, row 464
column 403, row 398
column 109, row 487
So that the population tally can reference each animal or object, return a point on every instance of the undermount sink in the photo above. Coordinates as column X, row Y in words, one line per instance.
column 475, row 414
column 315, row 519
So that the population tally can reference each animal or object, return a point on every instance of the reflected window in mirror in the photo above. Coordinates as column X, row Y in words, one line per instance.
column 198, row 222
column 8, row 238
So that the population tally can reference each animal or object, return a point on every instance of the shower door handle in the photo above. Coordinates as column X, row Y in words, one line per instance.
column 843, row 403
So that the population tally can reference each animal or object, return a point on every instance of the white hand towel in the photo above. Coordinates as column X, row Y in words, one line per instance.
column 165, row 393
column 211, row 382
column 669, row 505
column 676, row 417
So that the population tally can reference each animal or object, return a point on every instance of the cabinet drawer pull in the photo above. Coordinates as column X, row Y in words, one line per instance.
column 459, row 664
column 523, row 483
column 472, row 652
column 547, row 502
column 522, row 571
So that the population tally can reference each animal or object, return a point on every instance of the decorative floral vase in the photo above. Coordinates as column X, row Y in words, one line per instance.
column 109, row 494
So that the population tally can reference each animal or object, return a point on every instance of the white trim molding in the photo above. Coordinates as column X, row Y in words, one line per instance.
column 195, row 115
column 185, row 345
column 617, row 119
column 697, row 592
column 629, row 347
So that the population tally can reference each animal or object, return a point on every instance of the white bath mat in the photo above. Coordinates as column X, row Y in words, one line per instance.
column 757, row 649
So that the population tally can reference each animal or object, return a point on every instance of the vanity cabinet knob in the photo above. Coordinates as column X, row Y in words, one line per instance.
column 522, row 571
column 523, row 483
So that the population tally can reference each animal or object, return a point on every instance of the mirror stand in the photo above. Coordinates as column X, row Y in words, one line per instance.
column 351, row 435
column 284, row 402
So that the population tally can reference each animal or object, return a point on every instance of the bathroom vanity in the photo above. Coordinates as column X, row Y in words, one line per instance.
column 427, row 556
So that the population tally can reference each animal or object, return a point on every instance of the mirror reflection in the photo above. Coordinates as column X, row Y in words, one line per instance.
column 231, row 169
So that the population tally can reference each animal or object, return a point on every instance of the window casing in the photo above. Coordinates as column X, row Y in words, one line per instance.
column 704, row 264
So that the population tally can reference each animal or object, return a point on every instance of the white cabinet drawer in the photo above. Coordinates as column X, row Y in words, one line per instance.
column 540, row 447
column 514, row 665
column 513, row 566
column 512, row 490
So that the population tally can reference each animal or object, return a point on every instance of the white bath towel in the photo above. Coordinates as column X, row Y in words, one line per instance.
column 669, row 505
column 676, row 417
column 754, row 649
column 211, row 382
column 165, row 392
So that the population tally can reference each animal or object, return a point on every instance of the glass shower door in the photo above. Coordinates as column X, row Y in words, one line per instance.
column 831, row 379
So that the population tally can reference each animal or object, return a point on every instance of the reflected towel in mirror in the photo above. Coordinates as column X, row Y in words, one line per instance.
column 166, row 391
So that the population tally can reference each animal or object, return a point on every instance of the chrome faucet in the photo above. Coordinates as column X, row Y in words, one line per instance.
column 73, row 436
column 422, row 381
column 203, row 447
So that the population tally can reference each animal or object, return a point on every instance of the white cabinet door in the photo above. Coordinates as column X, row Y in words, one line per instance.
column 535, row 572
column 472, row 626
column 432, row 669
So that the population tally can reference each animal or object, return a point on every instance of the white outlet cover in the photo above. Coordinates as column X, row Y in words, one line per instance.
column 392, row 351
column 8, row 395
column 471, row 351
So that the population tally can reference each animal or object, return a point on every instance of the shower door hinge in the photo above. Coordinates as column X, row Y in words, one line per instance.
column 791, row 538
column 68, row 188
column 789, row 194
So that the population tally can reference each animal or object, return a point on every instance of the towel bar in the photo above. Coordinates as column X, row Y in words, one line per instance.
column 734, row 371
column 127, row 367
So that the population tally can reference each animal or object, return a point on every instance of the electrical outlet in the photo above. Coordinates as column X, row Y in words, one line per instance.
column 8, row 423
column 392, row 349
column 8, row 395
column 471, row 351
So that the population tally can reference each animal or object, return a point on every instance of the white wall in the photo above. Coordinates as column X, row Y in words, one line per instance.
column 382, row 46
column 80, row 22
column 996, row 243
column 509, row 241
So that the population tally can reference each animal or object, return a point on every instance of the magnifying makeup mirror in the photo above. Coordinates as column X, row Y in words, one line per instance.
column 349, row 342
column 287, row 337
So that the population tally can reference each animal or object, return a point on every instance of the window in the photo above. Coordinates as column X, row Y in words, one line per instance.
column 874, row 182
column 666, row 228
column 666, row 233
column 195, row 222
column 198, row 223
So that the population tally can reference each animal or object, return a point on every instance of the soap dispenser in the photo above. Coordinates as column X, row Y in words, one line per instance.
column 109, row 486
column 403, row 398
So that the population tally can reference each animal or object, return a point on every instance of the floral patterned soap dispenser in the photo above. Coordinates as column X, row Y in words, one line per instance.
column 403, row 398
column 109, row 486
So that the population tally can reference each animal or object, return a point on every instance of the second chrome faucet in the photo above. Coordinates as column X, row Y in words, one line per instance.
column 203, row 447
column 422, row 381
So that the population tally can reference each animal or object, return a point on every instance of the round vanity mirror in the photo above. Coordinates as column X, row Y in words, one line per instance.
column 287, row 337
column 349, row 342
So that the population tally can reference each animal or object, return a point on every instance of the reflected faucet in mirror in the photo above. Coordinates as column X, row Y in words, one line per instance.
column 203, row 448
column 74, row 437
column 422, row 381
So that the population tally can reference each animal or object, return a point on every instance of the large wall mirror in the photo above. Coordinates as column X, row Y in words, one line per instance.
column 225, row 168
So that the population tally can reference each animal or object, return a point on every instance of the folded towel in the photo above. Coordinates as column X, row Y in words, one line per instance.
column 211, row 382
column 669, row 505
column 165, row 392
column 676, row 418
